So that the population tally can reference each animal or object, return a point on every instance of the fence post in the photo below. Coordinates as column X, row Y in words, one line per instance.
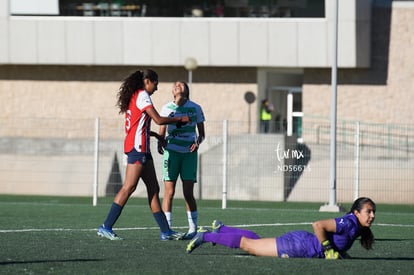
column 96, row 166
column 225, row 131
column 389, row 139
column 356, row 190
column 318, row 134
column 200, row 173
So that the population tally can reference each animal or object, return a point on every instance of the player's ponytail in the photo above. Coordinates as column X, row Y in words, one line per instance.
column 186, row 90
column 367, row 238
column 131, row 84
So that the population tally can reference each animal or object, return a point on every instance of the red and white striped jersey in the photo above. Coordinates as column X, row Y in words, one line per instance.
column 138, row 123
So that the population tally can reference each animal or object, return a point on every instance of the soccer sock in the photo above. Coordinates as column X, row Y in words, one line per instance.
column 161, row 221
column 192, row 221
column 231, row 240
column 243, row 232
column 168, row 216
column 113, row 215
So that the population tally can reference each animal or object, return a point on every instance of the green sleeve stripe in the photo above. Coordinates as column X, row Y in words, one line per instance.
column 182, row 130
column 186, row 110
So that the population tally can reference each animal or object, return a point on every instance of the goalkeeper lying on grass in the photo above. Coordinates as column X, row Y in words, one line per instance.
column 330, row 240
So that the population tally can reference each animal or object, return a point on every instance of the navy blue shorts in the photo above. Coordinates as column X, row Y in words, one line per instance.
column 298, row 244
column 138, row 157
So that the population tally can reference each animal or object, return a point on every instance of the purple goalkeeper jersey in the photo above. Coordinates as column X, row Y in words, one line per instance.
column 303, row 244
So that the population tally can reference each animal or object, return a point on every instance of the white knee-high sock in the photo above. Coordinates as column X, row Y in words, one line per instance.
column 192, row 221
column 168, row 215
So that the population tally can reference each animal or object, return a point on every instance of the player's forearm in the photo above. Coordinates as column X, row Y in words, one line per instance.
column 167, row 120
column 319, row 231
column 199, row 140
column 201, row 133
column 321, row 227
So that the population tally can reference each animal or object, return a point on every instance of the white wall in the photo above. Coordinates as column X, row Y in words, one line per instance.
column 263, row 42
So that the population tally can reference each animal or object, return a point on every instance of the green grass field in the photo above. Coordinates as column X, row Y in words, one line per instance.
column 57, row 235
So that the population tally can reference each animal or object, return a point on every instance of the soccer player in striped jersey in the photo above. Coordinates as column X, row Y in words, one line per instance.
column 330, row 239
column 134, row 101
column 180, row 153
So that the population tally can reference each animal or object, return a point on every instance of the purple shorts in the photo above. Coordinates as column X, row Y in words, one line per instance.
column 298, row 244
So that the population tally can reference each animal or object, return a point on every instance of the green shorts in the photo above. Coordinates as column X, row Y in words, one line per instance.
column 183, row 164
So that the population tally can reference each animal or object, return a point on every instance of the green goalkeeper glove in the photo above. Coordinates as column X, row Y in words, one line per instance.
column 330, row 253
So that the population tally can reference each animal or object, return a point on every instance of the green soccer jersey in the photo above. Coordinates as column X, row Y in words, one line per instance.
column 180, row 137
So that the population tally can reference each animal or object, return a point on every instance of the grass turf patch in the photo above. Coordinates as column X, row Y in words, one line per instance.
column 57, row 235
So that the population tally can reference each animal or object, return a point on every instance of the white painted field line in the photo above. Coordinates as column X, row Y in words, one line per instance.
column 175, row 227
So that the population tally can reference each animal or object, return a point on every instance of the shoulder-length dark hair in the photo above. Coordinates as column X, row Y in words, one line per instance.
column 367, row 238
column 131, row 84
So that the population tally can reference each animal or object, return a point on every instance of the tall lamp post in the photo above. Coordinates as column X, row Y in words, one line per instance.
column 332, row 206
column 190, row 65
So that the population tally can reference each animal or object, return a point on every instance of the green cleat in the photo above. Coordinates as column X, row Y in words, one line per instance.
column 188, row 236
column 216, row 225
column 197, row 240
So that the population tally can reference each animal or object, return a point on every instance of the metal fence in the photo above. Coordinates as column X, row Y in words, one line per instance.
column 387, row 136
column 73, row 157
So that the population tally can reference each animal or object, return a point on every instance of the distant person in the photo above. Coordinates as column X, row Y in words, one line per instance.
column 134, row 101
column 181, row 153
column 265, row 115
column 330, row 239
column 218, row 9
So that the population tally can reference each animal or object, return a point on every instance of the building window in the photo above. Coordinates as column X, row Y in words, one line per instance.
column 168, row 8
